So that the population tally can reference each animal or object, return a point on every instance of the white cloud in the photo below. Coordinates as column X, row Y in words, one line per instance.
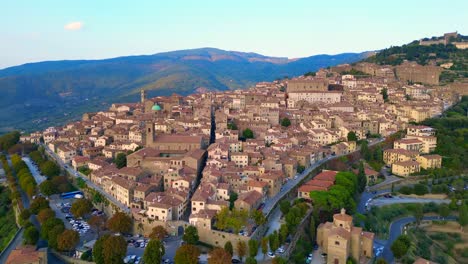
column 74, row 26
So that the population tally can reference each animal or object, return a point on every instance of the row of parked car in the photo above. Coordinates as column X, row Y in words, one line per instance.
column 132, row 259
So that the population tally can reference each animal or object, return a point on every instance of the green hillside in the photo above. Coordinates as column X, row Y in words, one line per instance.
column 41, row 94
column 436, row 54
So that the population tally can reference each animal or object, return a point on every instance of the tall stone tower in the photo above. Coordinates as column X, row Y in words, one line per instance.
column 149, row 131
column 143, row 96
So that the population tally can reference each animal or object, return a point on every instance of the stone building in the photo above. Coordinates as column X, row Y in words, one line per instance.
column 307, row 85
column 341, row 239
column 416, row 73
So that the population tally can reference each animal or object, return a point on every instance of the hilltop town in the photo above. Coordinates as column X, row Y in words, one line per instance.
column 224, row 162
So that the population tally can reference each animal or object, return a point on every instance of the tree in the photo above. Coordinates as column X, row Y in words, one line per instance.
column 352, row 136
column 24, row 216
column 463, row 215
column 420, row 189
column 97, row 222
column 300, row 169
column 459, row 185
column 98, row 256
column 114, row 250
column 444, row 210
column 285, row 205
column 121, row 160
column 31, row 235
column 283, row 233
column 418, row 213
column 120, row 223
column 362, row 179
column 228, row 247
column 381, row 261
column 278, row 260
column 384, row 94
column 191, row 235
column 68, row 240
column 50, row 169
column 154, row 252
column 81, row 207
column 251, row 260
column 273, row 241
column 219, row 256
column 232, row 198
column 312, row 229
column 253, row 248
column 264, row 245
column 258, row 217
column 247, row 133
column 365, row 152
column 47, row 188
column 285, row 122
column 81, row 183
column 49, row 225
column 158, row 232
column 399, row 248
column 187, row 254
column 53, row 236
column 232, row 126
column 241, row 249
column 38, row 204
column 45, row 214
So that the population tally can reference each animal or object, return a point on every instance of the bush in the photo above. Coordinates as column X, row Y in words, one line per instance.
column 440, row 188
column 406, row 190
column 420, row 189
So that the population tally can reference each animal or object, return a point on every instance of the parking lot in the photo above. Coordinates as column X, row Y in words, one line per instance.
column 62, row 211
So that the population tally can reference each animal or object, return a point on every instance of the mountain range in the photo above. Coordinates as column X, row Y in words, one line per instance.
column 36, row 95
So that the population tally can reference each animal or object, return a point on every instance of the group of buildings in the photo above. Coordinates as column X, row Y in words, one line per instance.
column 407, row 157
column 186, row 155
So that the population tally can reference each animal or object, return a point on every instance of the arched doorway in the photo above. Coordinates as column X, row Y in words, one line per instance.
column 180, row 230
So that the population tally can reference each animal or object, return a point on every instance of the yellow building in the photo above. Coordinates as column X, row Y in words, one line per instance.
column 430, row 161
column 391, row 156
column 408, row 144
column 341, row 239
column 429, row 142
column 405, row 168
column 420, row 131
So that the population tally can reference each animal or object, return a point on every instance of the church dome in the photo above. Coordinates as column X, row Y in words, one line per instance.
column 156, row 107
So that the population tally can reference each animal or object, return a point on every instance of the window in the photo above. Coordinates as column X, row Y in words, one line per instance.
column 337, row 243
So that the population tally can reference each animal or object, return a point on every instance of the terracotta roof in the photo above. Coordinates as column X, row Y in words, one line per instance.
column 339, row 231
column 309, row 188
column 343, row 217
column 406, row 163
column 326, row 176
column 257, row 184
column 434, row 156
column 178, row 139
column 25, row 255
column 250, row 197
column 409, row 141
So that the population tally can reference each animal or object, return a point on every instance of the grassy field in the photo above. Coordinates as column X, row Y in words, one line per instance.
column 8, row 226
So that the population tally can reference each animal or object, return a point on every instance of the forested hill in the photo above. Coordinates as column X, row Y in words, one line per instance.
column 47, row 93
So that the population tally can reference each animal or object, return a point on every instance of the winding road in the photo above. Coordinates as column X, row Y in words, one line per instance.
column 396, row 229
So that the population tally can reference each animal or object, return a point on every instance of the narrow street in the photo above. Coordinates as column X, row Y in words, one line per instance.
column 76, row 174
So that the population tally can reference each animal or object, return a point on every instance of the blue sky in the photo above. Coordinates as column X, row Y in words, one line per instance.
column 36, row 30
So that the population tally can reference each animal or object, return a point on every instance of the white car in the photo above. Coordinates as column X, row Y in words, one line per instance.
column 271, row 254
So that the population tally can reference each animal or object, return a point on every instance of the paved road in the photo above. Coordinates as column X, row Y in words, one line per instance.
column 14, row 244
column 73, row 172
column 34, row 171
column 396, row 229
column 381, row 201
column 366, row 197
column 19, row 239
